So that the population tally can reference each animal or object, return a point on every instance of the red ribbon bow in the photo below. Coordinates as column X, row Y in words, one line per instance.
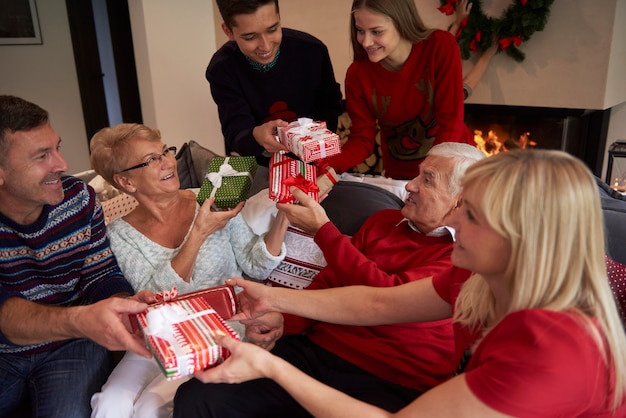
column 506, row 42
column 301, row 183
column 461, row 27
column 448, row 8
column 473, row 46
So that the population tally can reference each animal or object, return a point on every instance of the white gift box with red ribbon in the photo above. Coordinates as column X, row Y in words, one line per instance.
column 309, row 140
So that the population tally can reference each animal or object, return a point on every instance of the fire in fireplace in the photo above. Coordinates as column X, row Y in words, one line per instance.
column 580, row 132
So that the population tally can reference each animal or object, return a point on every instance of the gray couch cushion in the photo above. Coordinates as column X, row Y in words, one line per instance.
column 349, row 204
column 614, row 211
column 193, row 161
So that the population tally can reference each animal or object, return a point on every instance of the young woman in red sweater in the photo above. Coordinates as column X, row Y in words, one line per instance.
column 406, row 81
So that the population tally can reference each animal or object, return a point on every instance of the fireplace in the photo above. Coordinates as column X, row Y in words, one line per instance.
column 579, row 132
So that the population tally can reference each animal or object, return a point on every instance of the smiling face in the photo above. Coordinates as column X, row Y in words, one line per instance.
column 258, row 35
column 157, row 177
column 429, row 201
column 381, row 40
column 30, row 174
column 478, row 247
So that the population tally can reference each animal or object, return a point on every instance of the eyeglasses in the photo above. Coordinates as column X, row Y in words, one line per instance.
column 154, row 158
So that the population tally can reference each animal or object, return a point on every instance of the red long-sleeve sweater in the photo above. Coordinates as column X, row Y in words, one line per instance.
column 417, row 107
column 385, row 252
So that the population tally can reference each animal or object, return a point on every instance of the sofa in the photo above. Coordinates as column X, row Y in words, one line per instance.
column 351, row 203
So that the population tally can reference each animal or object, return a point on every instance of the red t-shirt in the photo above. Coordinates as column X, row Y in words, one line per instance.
column 536, row 363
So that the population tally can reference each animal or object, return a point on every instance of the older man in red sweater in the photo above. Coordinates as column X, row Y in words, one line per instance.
column 388, row 365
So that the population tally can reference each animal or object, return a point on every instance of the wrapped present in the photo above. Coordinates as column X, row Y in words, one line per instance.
column 309, row 140
column 327, row 180
column 303, row 260
column 228, row 180
column 286, row 172
column 180, row 333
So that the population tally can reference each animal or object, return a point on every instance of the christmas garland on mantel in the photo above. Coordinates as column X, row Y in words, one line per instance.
column 516, row 25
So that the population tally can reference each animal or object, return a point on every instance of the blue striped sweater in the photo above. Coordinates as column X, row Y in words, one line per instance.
column 62, row 259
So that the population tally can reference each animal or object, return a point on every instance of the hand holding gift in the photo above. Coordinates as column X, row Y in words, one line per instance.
column 286, row 172
column 309, row 140
column 228, row 180
column 181, row 333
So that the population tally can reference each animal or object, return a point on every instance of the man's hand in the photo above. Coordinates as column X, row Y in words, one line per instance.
column 309, row 215
column 265, row 330
column 144, row 296
column 106, row 323
column 265, row 135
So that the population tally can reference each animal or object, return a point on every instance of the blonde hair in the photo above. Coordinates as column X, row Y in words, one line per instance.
column 110, row 148
column 402, row 13
column 546, row 204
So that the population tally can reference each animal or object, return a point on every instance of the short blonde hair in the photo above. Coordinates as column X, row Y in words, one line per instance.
column 546, row 204
column 110, row 147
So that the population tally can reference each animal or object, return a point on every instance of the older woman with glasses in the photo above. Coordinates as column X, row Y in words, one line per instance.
column 168, row 241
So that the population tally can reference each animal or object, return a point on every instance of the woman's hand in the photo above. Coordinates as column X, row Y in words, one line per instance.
column 254, row 300
column 462, row 11
column 246, row 362
column 209, row 220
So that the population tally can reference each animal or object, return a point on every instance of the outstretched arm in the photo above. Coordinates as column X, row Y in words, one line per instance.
column 450, row 399
column 349, row 305
column 474, row 76
column 105, row 322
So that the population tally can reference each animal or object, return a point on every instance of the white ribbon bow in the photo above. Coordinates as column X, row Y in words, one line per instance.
column 161, row 323
column 304, row 129
column 225, row 170
column 303, row 126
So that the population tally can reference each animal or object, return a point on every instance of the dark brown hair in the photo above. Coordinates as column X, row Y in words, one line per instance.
column 229, row 9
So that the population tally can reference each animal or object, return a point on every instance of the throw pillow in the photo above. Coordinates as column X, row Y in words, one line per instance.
column 201, row 159
column 193, row 161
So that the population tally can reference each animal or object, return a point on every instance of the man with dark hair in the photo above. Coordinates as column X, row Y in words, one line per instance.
column 266, row 76
column 57, row 275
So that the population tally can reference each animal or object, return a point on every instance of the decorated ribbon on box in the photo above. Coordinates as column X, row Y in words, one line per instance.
column 166, row 295
column 309, row 140
column 181, row 335
column 286, row 172
column 226, row 170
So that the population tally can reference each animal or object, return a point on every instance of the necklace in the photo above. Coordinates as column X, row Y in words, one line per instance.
column 263, row 68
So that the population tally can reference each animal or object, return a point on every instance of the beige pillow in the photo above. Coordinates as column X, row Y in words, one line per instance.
column 117, row 207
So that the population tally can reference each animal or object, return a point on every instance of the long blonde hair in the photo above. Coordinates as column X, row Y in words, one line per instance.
column 546, row 204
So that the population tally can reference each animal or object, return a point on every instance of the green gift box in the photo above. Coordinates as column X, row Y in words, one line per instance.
column 229, row 180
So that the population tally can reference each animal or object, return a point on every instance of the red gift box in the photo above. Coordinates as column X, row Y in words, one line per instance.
column 180, row 333
column 286, row 172
column 309, row 140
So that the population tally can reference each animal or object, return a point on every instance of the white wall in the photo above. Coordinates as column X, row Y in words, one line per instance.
column 46, row 75
column 173, row 43
column 577, row 61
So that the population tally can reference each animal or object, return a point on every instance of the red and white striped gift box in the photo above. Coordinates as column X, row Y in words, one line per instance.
column 181, row 334
column 285, row 172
